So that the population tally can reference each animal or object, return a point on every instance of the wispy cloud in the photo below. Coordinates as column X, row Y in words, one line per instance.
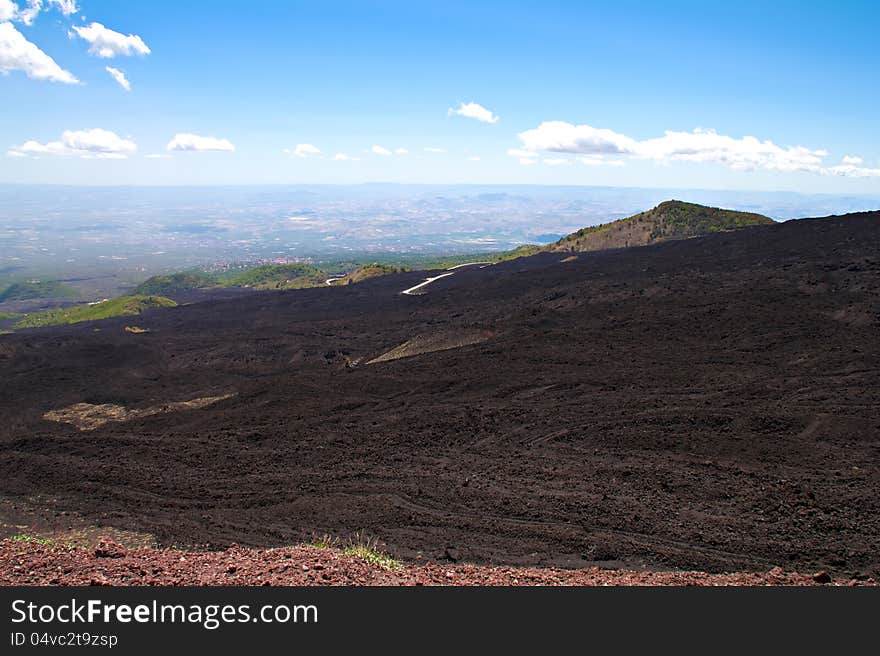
column 119, row 76
column 107, row 43
column 303, row 150
column 474, row 111
column 186, row 141
column 10, row 10
column 95, row 143
column 433, row 149
column 342, row 157
column 387, row 152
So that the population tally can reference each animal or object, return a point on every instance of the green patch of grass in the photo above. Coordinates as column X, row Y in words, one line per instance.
column 117, row 307
column 6, row 316
column 367, row 271
column 367, row 549
column 275, row 276
column 175, row 282
column 24, row 537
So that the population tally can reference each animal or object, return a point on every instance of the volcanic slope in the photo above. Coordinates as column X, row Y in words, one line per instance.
column 673, row 219
column 704, row 403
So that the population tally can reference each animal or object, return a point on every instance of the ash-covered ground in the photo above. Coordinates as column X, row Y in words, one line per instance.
column 704, row 404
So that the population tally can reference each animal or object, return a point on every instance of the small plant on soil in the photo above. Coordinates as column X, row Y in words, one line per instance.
column 23, row 537
column 324, row 541
column 367, row 549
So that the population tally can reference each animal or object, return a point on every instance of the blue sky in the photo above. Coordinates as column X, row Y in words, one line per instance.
column 657, row 94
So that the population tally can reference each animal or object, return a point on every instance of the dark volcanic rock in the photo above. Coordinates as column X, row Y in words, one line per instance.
column 669, row 405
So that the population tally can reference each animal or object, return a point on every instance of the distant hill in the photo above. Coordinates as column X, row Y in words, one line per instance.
column 673, row 219
column 117, row 307
column 277, row 276
column 265, row 276
column 24, row 291
column 175, row 282
column 369, row 271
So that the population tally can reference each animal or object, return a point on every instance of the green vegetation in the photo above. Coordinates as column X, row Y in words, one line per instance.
column 117, row 307
column 175, row 282
column 25, row 291
column 446, row 261
column 23, row 537
column 6, row 316
column 265, row 276
column 358, row 546
column 272, row 276
column 369, row 271
column 672, row 219
column 367, row 549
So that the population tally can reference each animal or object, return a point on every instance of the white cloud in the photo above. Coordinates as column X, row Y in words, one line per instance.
column 33, row 8
column 748, row 153
column 475, row 111
column 342, row 157
column 304, row 150
column 556, row 161
column 66, row 7
column 19, row 54
column 379, row 150
column 847, row 159
column 401, row 151
column 8, row 10
column 119, row 76
column 474, row 158
column 562, row 137
column 90, row 144
column 186, row 141
column 107, row 43
column 29, row 14
column 159, row 156
column 430, row 149
column 14, row 153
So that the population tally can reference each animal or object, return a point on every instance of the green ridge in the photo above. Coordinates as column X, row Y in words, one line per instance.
column 117, row 307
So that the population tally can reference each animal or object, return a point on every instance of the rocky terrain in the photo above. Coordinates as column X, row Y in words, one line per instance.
column 109, row 563
column 701, row 404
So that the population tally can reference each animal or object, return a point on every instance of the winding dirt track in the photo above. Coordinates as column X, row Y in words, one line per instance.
column 708, row 404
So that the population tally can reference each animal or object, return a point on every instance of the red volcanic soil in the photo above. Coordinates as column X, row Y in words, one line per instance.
column 23, row 563
column 708, row 404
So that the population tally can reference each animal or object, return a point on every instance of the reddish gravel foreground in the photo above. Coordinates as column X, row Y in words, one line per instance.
column 28, row 563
